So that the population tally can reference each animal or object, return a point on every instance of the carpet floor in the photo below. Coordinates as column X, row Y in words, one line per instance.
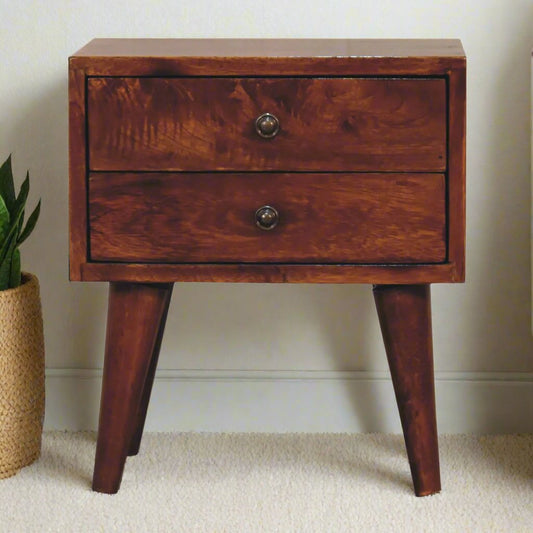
column 195, row 482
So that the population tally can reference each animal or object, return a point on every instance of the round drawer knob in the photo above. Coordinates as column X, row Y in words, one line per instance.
column 266, row 217
column 267, row 125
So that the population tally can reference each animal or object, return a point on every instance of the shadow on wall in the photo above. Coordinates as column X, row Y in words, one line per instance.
column 274, row 327
column 500, row 326
column 267, row 327
column 489, row 318
column 355, row 343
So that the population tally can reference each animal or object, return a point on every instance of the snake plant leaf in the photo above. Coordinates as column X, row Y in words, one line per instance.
column 13, row 231
column 30, row 224
column 12, row 235
column 15, row 275
column 4, row 219
column 5, row 265
column 5, row 273
column 23, row 195
column 7, row 187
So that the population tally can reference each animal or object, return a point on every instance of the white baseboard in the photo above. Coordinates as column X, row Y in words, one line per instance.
column 297, row 401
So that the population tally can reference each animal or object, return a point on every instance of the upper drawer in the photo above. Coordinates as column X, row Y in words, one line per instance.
column 344, row 124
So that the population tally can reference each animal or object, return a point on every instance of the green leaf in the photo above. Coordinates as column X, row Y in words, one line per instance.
column 7, row 187
column 23, row 195
column 13, row 231
column 5, row 265
column 4, row 219
column 5, row 273
column 12, row 235
column 30, row 224
column 15, row 275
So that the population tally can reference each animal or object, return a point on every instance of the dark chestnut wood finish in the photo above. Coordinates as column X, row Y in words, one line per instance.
column 269, row 57
column 138, row 424
column 327, row 124
column 77, row 172
column 367, row 173
column 457, row 170
column 326, row 218
column 436, row 61
column 134, row 321
column 261, row 50
column 270, row 273
column 405, row 317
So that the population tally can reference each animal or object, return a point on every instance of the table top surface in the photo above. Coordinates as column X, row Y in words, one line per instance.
column 272, row 48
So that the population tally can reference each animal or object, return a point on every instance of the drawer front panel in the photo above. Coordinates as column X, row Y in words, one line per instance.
column 323, row 218
column 326, row 124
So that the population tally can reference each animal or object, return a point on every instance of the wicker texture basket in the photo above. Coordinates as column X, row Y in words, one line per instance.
column 21, row 376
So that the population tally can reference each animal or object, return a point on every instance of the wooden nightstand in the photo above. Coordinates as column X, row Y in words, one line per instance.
column 308, row 161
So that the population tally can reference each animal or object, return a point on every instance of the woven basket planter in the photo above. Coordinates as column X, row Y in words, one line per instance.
column 21, row 376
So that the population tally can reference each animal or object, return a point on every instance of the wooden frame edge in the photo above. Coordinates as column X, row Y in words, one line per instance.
column 77, row 172
column 267, row 273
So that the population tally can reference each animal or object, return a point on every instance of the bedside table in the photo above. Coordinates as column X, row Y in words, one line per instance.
column 306, row 161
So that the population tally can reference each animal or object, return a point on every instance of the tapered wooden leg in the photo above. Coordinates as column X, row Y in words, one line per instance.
column 405, row 317
column 133, row 322
column 147, row 390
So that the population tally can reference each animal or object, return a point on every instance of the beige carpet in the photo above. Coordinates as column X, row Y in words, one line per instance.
column 274, row 483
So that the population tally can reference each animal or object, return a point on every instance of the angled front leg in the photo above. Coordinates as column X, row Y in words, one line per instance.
column 134, row 318
column 147, row 389
column 405, row 317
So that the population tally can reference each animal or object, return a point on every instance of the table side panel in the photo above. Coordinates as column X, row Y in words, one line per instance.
column 77, row 173
column 457, row 169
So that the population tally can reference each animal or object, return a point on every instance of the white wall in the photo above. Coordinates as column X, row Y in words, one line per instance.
column 290, row 357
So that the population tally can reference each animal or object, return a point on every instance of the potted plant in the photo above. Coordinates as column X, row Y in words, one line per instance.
column 21, row 334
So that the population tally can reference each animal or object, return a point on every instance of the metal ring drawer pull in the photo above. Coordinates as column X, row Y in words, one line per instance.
column 267, row 217
column 267, row 125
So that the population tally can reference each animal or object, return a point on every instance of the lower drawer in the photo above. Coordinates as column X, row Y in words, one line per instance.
column 323, row 218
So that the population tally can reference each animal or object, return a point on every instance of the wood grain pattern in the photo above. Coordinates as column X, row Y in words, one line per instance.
column 133, row 321
column 208, row 124
column 270, row 273
column 77, row 173
column 291, row 57
column 269, row 57
column 405, row 318
column 138, row 424
column 261, row 66
column 325, row 218
column 457, row 169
